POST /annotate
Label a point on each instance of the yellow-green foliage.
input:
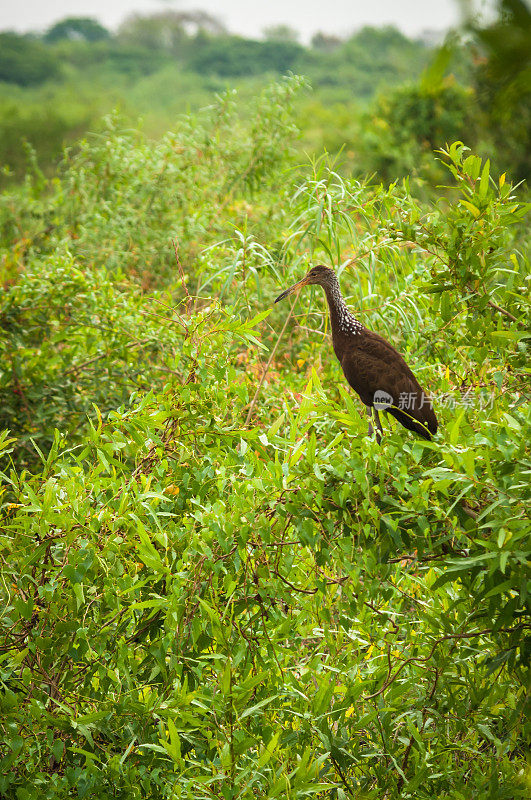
(214, 584)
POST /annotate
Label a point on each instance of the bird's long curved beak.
(293, 288)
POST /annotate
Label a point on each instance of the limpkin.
(372, 366)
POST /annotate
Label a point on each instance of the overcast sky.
(247, 17)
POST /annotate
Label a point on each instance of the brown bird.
(372, 366)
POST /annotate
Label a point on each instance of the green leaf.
(472, 166)
(250, 712)
(484, 182)
(471, 207)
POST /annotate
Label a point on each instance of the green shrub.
(217, 585)
(275, 606)
(502, 77)
(25, 61)
(72, 338)
(84, 28)
(402, 128)
(230, 57)
(77, 330)
(45, 130)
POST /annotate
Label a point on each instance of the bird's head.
(320, 274)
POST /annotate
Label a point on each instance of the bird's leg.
(371, 429)
(379, 432)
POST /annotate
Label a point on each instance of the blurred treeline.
(381, 100)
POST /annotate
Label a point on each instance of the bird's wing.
(371, 364)
(376, 368)
(368, 374)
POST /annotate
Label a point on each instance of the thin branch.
(503, 311)
(402, 778)
(78, 367)
(181, 271)
(449, 636)
(342, 777)
(469, 511)
(292, 586)
(266, 369)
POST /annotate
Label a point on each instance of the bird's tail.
(424, 421)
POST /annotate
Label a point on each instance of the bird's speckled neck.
(340, 316)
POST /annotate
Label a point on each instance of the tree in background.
(233, 57)
(370, 43)
(503, 81)
(281, 33)
(77, 28)
(25, 61)
(407, 123)
(168, 29)
(369, 61)
(488, 107)
(326, 42)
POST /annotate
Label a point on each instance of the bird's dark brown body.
(372, 366)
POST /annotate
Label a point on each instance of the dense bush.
(71, 338)
(406, 124)
(235, 57)
(367, 62)
(38, 133)
(25, 61)
(84, 28)
(74, 331)
(217, 585)
(189, 55)
(503, 82)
